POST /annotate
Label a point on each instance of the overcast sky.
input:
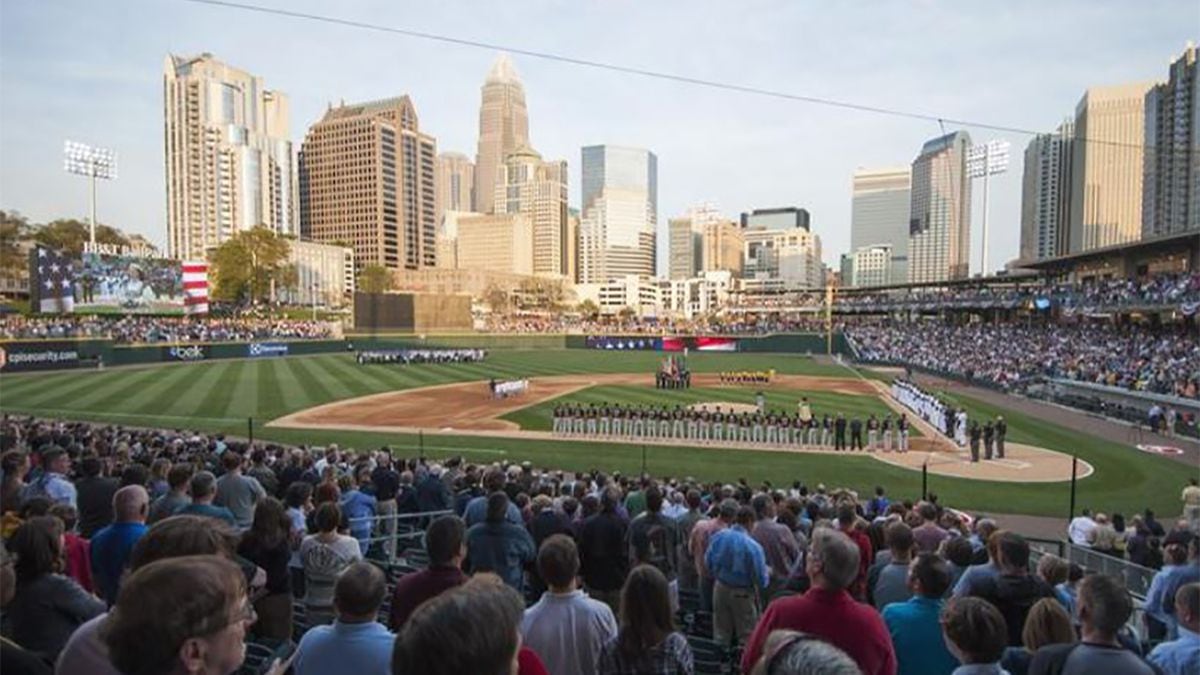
(91, 70)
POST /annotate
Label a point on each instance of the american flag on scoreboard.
(195, 287)
(51, 281)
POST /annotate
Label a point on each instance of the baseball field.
(442, 410)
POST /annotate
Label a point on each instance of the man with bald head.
(112, 545)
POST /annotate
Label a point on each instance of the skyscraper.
(722, 247)
(228, 155)
(783, 218)
(684, 248)
(620, 213)
(500, 243)
(1106, 166)
(503, 127)
(455, 184)
(538, 190)
(939, 226)
(1046, 194)
(1171, 175)
(367, 179)
(879, 214)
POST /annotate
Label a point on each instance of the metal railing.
(392, 529)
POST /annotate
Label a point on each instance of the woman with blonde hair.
(1046, 624)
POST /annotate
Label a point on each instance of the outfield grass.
(221, 397)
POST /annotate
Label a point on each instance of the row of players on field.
(771, 427)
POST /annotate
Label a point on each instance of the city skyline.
(114, 99)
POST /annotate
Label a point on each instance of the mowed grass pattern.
(222, 396)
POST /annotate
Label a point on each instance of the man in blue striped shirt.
(1182, 656)
(739, 566)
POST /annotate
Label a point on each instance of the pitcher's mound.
(725, 406)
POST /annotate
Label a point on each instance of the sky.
(91, 70)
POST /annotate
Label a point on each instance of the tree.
(287, 282)
(246, 264)
(374, 278)
(589, 309)
(14, 228)
(69, 235)
(497, 298)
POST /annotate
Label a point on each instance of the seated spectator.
(151, 631)
(975, 634)
(112, 545)
(237, 492)
(647, 641)
(788, 652)
(1182, 555)
(1047, 624)
(739, 566)
(566, 628)
(474, 628)
(47, 606)
(356, 642)
(915, 624)
(1104, 607)
(890, 581)
(203, 489)
(176, 497)
(325, 555)
(1182, 656)
(267, 544)
(445, 542)
(77, 551)
(827, 611)
(1015, 590)
(497, 545)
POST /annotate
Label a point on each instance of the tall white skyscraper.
(879, 215)
(939, 245)
(503, 127)
(537, 189)
(455, 184)
(1046, 194)
(228, 155)
(1171, 182)
(620, 213)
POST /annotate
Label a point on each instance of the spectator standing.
(14, 464)
(828, 611)
(176, 496)
(298, 500)
(95, 494)
(778, 543)
(203, 489)
(77, 551)
(1047, 624)
(262, 473)
(356, 642)
(432, 492)
(1191, 505)
(1080, 529)
(267, 544)
(603, 559)
(688, 577)
(325, 555)
(975, 575)
(1103, 537)
(647, 641)
(53, 483)
(1182, 554)
(1104, 607)
(237, 492)
(1182, 656)
(974, 631)
(386, 482)
(112, 546)
(445, 541)
(928, 536)
(915, 624)
(498, 546)
(47, 606)
(653, 537)
(1015, 590)
(739, 566)
(847, 520)
(476, 509)
(566, 628)
(358, 508)
(891, 581)
(788, 652)
(698, 541)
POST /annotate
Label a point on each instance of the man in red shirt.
(827, 611)
(445, 542)
(848, 525)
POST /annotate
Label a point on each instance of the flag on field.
(51, 281)
(195, 287)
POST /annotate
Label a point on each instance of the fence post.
(421, 444)
(643, 458)
(1074, 474)
(925, 481)
(250, 429)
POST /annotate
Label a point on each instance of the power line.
(654, 74)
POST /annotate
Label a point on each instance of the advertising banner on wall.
(716, 344)
(23, 356)
(266, 349)
(618, 342)
(185, 353)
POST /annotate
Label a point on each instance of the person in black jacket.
(856, 439)
(602, 553)
(1014, 591)
(94, 496)
(839, 432)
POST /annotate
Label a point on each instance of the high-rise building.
(871, 266)
(367, 179)
(503, 127)
(1046, 194)
(538, 190)
(455, 184)
(784, 218)
(722, 247)
(620, 213)
(684, 248)
(228, 155)
(1106, 166)
(939, 225)
(879, 214)
(1171, 175)
(792, 257)
(496, 243)
(324, 273)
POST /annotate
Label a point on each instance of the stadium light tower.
(987, 159)
(94, 162)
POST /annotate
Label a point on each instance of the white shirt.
(1079, 529)
(568, 631)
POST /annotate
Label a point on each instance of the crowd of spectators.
(134, 329)
(1163, 361)
(149, 551)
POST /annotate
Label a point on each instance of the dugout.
(415, 312)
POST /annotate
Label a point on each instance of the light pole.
(94, 162)
(982, 161)
(313, 289)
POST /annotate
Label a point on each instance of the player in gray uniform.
(677, 423)
(605, 419)
(902, 433)
(872, 432)
(745, 428)
(718, 425)
(886, 428)
(826, 431)
(593, 415)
